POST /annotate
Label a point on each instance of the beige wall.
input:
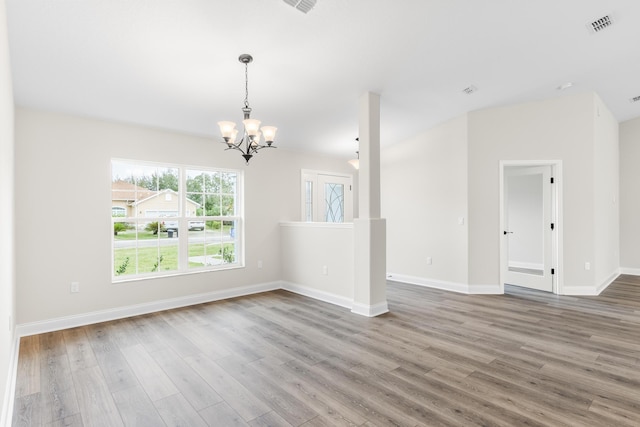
(452, 172)
(307, 248)
(606, 205)
(630, 196)
(74, 153)
(424, 195)
(7, 281)
(557, 129)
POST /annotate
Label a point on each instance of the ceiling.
(173, 64)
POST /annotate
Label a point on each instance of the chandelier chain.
(246, 85)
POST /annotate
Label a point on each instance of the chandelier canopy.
(249, 143)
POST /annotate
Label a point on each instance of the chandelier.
(249, 144)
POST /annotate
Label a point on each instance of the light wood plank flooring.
(279, 359)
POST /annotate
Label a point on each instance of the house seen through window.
(170, 219)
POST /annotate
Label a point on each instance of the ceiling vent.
(469, 90)
(635, 99)
(302, 5)
(600, 24)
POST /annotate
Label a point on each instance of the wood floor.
(279, 359)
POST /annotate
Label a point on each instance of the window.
(326, 197)
(170, 219)
(118, 211)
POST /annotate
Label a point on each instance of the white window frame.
(183, 223)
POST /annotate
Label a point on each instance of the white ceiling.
(173, 63)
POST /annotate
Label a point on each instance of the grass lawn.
(146, 259)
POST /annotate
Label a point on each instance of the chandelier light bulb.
(226, 128)
(269, 133)
(251, 126)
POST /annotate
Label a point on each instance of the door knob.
(508, 232)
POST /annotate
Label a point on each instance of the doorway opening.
(530, 225)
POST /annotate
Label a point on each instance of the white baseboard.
(579, 291)
(630, 271)
(370, 310)
(319, 295)
(135, 310)
(591, 290)
(604, 285)
(9, 398)
(429, 283)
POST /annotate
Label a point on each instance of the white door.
(528, 227)
(326, 197)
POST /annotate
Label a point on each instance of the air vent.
(635, 99)
(469, 90)
(600, 24)
(302, 5)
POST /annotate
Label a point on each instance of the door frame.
(312, 176)
(556, 218)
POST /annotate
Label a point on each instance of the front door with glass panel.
(326, 197)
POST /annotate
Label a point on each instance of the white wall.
(424, 195)
(606, 195)
(556, 129)
(7, 276)
(63, 211)
(630, 196)
(307, 248)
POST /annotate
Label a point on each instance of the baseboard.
(604, 285)
(319, 295)
(136, 310)
(10, 388)
(630, 271)
(370, 310)
(580, 291)
(429, 283)
(591, 290)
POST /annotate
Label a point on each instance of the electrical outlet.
(325, 270)
(587, 266)
(75, 287)
(460, 220)
(259, 264)
(429, 260)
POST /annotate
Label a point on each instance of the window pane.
(308, 201)
(334, 194)
(124, 248)
(228, 206)
(212, 204)
(228, 182)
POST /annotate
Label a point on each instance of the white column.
(370, 231)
